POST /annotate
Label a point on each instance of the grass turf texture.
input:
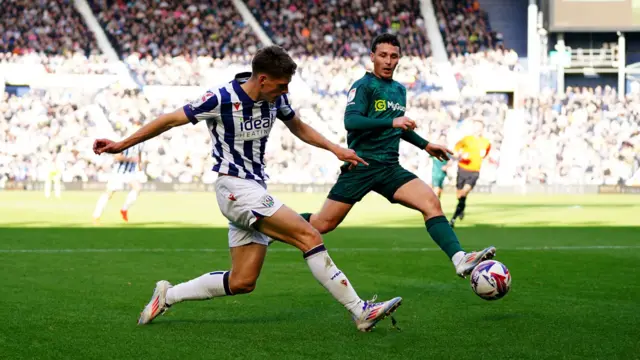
(71, 290)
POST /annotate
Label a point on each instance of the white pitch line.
(141, 250)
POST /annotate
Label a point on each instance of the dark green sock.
(306, 216)
(442, 233)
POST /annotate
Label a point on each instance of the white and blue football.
(491, 280)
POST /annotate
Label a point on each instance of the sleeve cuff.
(287, 117)
(190, 115)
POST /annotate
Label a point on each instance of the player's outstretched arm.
(414, 139)
(440, 152)
(312, 137)
(149, 131)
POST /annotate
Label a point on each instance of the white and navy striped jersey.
(239, 127)
(125, 167)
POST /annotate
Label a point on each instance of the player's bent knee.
(241, 286)
(432, 207)
(327, 225)
(309, 238)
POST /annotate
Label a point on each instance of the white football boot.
(373, 312)
(157, 305)
(470, 260)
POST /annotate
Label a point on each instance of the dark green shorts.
(354, 184)
(437, 179)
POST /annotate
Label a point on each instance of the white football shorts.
(118, 181)
(243, 202)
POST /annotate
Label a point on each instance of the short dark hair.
(385, 39)
(273, 61)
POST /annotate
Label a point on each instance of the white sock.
(102, 203)
(327, 274)
(47, 189)
(457, 257)
(131, 198)
(207, 286)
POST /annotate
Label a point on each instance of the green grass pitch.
(74, 291)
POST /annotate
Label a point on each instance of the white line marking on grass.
(161, 250)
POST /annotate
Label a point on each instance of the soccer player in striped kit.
(239, 116)
(126, 171)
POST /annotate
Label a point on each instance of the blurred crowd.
(176, 28)
(52, 27)
(465, 27)
(340, 27)
(585, 136)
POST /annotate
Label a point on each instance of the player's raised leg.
(417, 195)
(329, 217)
(289, 227)
(246, 264)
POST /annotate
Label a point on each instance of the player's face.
(272, 88)
(385, 60)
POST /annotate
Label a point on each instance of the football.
(491, 280)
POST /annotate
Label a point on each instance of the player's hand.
(404, 123)
(106, 146)
(440, 152)
(349, 156)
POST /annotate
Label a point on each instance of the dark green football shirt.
(372, 104)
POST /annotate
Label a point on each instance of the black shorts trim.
(342, 199)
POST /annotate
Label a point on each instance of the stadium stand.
(175, 28)
(465, 27)
(44, 26)
(340, 28)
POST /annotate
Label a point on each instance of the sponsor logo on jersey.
(383, 105)
(255, 127)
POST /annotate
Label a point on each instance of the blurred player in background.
(375, 123)
(240, 115)
(471, 150)
(439, 170)
(127, 171)
(54, 176)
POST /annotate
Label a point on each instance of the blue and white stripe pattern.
(126, 167)
(239, 127)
